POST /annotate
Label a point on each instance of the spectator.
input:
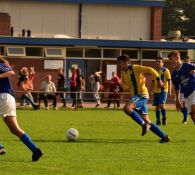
(96, 85)
(62, 86)
(73, 86)
(22, 74)
(27, 87)
(115, 90)
(49, 88)
(79, 79)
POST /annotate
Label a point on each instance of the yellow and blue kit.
(160, 93)
(134, 82)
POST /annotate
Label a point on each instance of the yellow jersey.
(165, 77)
(134, 80)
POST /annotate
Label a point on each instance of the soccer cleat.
(158, 122)
(36, 155)
(165, 139)
(185, 121)
(164, 120)
(2, 151)
(145, 128)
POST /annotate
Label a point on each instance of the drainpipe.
(80, 19)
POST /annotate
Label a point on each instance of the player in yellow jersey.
(160, 93)
(136, 108)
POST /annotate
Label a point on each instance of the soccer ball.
(72, 134)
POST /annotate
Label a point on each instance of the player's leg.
(192, 114)
(14, 128)
(143, 110)
(162, 101)
(129, 109)
(190, 104)
(156, 104)
(184, 111)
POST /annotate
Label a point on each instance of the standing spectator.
(79, 79)
(62, 86)
(96, 86)
(49, 87)
(73, 86)
(115, 90)
(27, 87)
(22, 74)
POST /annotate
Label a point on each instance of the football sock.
(136, 117)
(155, 129)
(158, 115)
(163, 112)
(28, 142)
(1, 146)
(184, 110)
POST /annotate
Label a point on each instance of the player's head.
(48, 77)
(123, 61)
(159, 62)
(113, 74)
(187, 59)
(174, 57)
(4, 61)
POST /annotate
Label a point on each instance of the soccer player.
(8, 110)
(184, 109)
(160, 93)
(134, 82)
(183, 78)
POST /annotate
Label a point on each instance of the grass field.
(109, 144)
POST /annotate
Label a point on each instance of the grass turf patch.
(110, 143)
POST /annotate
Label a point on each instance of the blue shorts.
(140, 103)
(160, 98)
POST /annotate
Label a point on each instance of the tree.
(179, 15)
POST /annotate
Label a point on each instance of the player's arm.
(7, 74)
(177, 92)
(151, 71)
(168, 77)
(152, 86)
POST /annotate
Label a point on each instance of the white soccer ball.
(72, 134)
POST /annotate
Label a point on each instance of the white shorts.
(7, 105)
(189, 101)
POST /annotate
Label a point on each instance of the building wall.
(43, 19)
(116, 22)
(4, 24)
(99, 21)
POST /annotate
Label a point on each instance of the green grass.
(109, 144)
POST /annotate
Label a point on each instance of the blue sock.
(136, 117)
(184, 110)
(156, 130)
(28, 142)
(163, 112)
(1, 146)
(158, 115)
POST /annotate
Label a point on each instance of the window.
(133, 54)
(150, 54)
(34, 51)
(111, 53)
(54, 52)
(93, 53)
(74, 52)
(164, 54)
(15, 51)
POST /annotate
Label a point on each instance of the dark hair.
(160, 58)
(173, 54)
(123, 58)
(186, 57)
